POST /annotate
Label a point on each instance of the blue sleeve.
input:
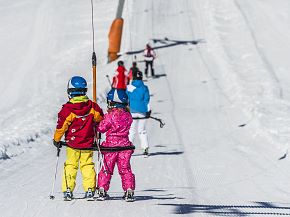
(146, 95)
(128, 94)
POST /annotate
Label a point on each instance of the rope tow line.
(102, 148)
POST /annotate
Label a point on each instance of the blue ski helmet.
(117, 98)
(77, 86)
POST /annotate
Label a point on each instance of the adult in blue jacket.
(139, 98)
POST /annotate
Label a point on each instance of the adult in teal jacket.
(139, 97)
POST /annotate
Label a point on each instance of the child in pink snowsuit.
(116, 124)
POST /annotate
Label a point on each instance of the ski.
(90, 199)
(130, 199)
(67, 199)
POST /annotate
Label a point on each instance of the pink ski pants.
(122, 158)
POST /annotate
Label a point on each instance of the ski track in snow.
(260, 51)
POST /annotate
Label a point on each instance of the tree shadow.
(150, 197)
(166, 153)
(160, 146)
(155, 190)
(259, 208)
(148, 194)
(168, 43)
(156, 76)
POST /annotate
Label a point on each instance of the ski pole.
(94, 65)
(100, 156)
(94, 58)
(109, 80)
(51, 196)
(159, 120)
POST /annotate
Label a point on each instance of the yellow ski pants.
(75, 159)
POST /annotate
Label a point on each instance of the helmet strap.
(112, 104)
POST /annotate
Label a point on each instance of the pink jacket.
(116, 124)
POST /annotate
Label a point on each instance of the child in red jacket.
(77, 120)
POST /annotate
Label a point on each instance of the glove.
(148, 114)
(57, 144)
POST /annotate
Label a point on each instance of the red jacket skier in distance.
(120, 78)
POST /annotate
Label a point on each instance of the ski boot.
(153, 73)
(89, 195)
(101, 195)
(129, 195)
(67, 195)
(146, 152)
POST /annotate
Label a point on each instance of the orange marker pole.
(94, 63)
(115, 37)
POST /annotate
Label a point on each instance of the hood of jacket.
(79, 105)
(121, 69)
(137, 83)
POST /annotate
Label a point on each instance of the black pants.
(149, 63)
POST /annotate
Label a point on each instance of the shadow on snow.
(259, 208)
(166, 42)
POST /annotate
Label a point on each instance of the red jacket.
(120, 79)
(77, 120)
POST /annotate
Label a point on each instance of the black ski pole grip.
(94, 59)
(58, 151)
